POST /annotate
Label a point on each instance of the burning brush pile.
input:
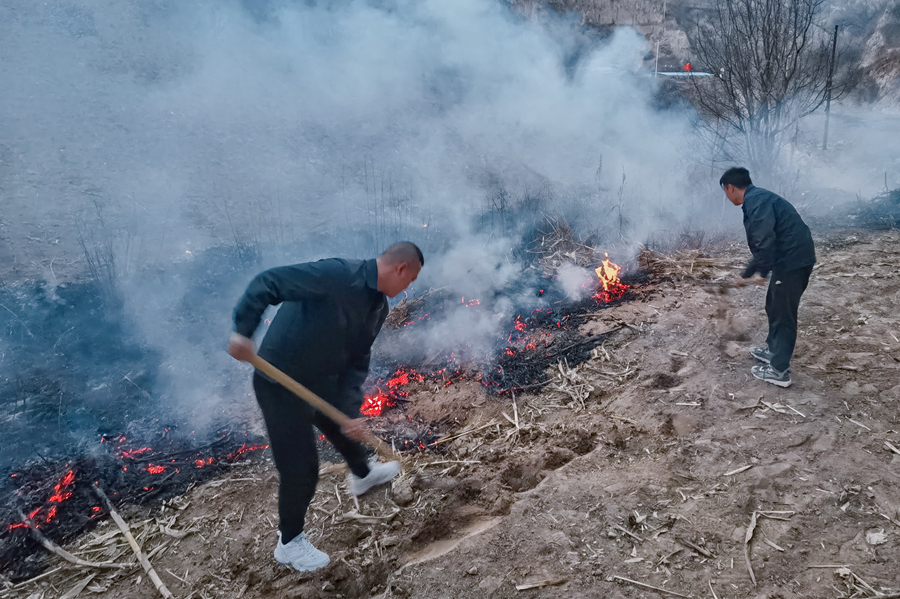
(515, 356)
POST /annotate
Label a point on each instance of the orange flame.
(612, 286)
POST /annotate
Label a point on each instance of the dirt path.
(675, 451)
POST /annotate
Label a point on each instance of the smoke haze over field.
(199, 123)
(133, 136)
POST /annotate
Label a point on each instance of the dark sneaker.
(300, 554)
(378, 475)
(770, 375)
(762, 354)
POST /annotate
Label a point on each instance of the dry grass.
(557, 246)
(685, 265)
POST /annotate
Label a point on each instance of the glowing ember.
(62, 491)
(154, 469)
(132, 453)
(611, 287)
(374, 405)
(247, 448)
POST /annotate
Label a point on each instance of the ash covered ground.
(647, 462)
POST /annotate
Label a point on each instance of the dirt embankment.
(647, 464)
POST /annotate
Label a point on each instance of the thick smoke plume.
(168, 151)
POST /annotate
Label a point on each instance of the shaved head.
(403, 252)
(398, 267)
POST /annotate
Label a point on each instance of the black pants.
(289, 421)
(782, 302)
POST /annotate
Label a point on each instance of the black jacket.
(778, 238)
(322, 335)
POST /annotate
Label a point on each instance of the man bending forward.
(782, 245)
(322, 335)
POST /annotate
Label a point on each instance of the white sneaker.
(378, 475)
(300, 554)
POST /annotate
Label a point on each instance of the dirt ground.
(652, 463)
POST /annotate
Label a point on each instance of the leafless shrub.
(771, 66)
(556, 245)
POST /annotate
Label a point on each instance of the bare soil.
(676, 452)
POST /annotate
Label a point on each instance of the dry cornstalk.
(54, 548)
(540, 583)
(747, 538)
(696, 548)
(650, 586)
(738, 470)
(145, 563)
(24, 583)
(630, 534)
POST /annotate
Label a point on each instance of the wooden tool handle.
(319, 404)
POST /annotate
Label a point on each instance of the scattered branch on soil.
(738, 470)
(143, 559)
(540, 583)
(747, 538)
(54, 548)
(568, 383)
(696, 548)
(650, 586)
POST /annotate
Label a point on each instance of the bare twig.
(627, 532)
(738, 470)
(747, 538)
(540, 583)
(24, 583)
(148, 568)
(650, 586)
(699, 550)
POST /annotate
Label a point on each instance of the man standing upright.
(331, 311)
(782, 245)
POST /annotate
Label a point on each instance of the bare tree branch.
(770, 61)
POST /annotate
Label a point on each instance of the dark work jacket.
(331, 311)
(778, 238)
